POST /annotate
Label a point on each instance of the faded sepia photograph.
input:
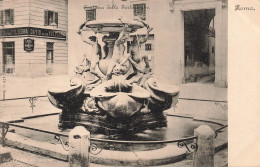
(114, 83)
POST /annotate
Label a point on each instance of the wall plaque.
(28, 44)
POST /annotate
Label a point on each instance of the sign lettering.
(31, 31)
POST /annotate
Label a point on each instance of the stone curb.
(42, 115)
(195, 118)
(33, 116)
(166, 155)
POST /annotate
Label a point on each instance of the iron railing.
(110, 144)
(222, 103)
(219, 130)
(57, 136)
(190, 143)
(32, 100)
(22, 98)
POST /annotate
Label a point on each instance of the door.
(49, 57)
(8, 57)
(199, 40)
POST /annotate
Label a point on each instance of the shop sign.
(32, 31)
(28, 44)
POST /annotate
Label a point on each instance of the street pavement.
(17, 87)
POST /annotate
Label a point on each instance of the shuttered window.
(56, 18)
(91, 14)
(7, 17)
(140, 10)
(2, 17)
(50, 18)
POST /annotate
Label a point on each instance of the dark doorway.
(49, 57)
(8, 57)
(199, 45)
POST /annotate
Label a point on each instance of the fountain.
(123, 108)
(122, 99)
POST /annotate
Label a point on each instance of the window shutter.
(11, 16)
(56, 18)
(1, 17)
(45, 17)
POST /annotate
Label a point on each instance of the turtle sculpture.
(120, 98)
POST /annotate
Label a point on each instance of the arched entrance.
(212, 8)
(199, 41)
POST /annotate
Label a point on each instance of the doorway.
(199, 46)
(49, 57)
(8, 57)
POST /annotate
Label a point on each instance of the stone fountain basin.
(113, 25)
(65, 95)
(131, 155)
(161, 91)
(120, 104)
(163, 88)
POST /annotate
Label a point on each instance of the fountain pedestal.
(107, 125)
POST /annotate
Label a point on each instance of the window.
(7, 17)
(91, 14)
(49, 57)
(148, 47)
(140, 10)
(50, 18)
(8, 57)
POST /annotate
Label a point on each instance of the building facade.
(33, 37)
(188, 42)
